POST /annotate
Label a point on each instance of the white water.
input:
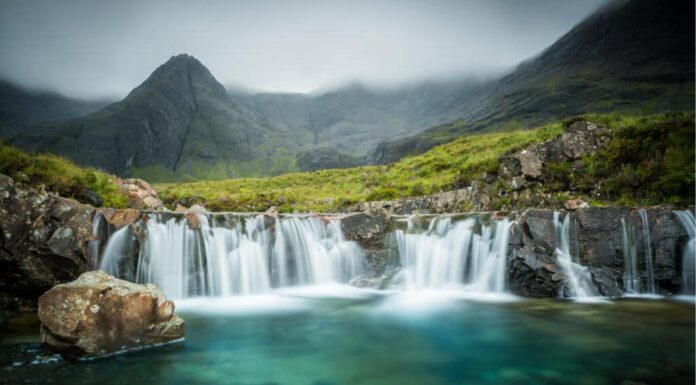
(242, 258)
(455, 255)
(647, 247)
(578, 279)
(631, 279)
(689, 253)
(308, 251)
(94, 244)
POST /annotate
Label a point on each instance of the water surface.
(332, 337)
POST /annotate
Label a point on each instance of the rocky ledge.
(98, 314)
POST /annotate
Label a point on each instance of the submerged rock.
(98, 314)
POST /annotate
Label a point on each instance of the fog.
(105, 48)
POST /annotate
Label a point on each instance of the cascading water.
(94, 245)
(190, 257)
(308, 251)
(647, 245)
(631, 279)
(631, 239)
(452, 254)
(689, 252)
(578, 279)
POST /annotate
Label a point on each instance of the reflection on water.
(362, 337)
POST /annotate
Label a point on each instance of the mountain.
(179, 123)
(20, 108)
(630, 57)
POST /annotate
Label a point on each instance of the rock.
(582, 138)
(141, 195)
(538, 230)
(531, 162)
(120, 217)
(534, 274)
(91, 198)
(98, 314)
(43, 240)
(574, 204)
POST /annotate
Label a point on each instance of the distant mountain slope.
(20, 108)
(353, 119)
(631, 56)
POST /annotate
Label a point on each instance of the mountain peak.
(182, 72)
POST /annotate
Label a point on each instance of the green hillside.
(650, 161)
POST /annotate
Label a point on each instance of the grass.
(440, 169)
(650, 160)
(59, 175)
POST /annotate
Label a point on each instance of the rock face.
(141, 195)
(99, 314)
(596, 240)
(43, 242)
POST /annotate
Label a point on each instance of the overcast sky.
(105, 48)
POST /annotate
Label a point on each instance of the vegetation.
(326, 190)
(59, 175)
(650, 160)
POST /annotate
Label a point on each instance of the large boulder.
(98, 314)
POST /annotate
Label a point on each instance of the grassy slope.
(650, 161)
(330, 189)
(59, 175)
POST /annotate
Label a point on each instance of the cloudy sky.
(105, 48)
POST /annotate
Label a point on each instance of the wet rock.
(538, 230)
(141, 195)
(98, 314)
(120, 217)
(534, 274)
(364, 227)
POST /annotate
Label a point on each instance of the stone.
(141, 195)
(120, 217)
(574, 204)
(91, 198)
(43, 240)
(98, 314)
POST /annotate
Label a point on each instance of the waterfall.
(631, 236)
(196, 256)
(578, 279)
(453, 254)
(94, 244)
(631, 279)
(308, 251)
(689, 253)
(647, 246)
